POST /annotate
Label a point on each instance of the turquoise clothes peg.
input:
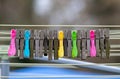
(74, 44)
(27, 44)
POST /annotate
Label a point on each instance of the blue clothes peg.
(26, 45)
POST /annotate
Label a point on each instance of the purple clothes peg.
(92, 44)
(12, 48)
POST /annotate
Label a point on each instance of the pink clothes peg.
(92, 44)
(12, 48)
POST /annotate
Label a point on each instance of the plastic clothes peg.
(92, 44)
(27, 39)
(12, 48)
(61, 48)
(74, 44)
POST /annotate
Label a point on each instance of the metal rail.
(20, 25)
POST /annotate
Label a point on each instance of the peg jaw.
(60, 35)
(13, 33)
(74, 35)
(27, 34)
(92, 34)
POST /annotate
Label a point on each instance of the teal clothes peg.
(27, 44)
(74, 44)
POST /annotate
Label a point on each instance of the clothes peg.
(12, 48)
(61, 48)
(92, 44)
(102, 45)
(17, 42)
(69, 49)
(56, 42)
(32, 44)
(65, 43)
(79, 43)
(45, 43)
(107, 43)
(97, 36)
(50, 38)
(27, 44)
(41, 32)
(88, 42)
(37, 43)
(84, 42)
(74, 44)
(21, 43)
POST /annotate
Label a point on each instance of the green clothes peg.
(74, 44)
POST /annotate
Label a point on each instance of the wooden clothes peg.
(21, 43)
(12, 48)
(41, 32)
(84, 41)
(37, 42)
(102, 44)
(27, 44)
(65, 43)
(50, 38)
(107, 43)
(56, 44)
(79, 46)
(74, 44)
(69, 48)
(32, 44)
(97, 42)
(61, 47)
(45, 43)
(92, 44)
(88, 42)
(17, 42)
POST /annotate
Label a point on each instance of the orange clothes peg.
(61, 48)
